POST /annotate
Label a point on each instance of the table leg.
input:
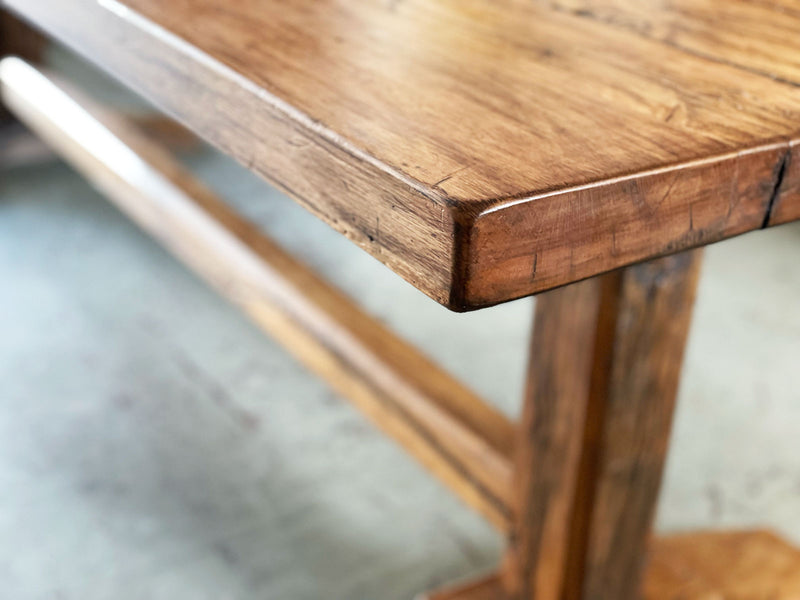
(604, 367)
(605, 363)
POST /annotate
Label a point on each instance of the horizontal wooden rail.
(19, 147)
(462, 440)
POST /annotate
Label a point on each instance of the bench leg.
(604, 367)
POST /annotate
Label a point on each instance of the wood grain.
(460, 438)
(755, 35)
(483, 150)
(653, 315)
(604, 369)
(563, 349)
(742, 565)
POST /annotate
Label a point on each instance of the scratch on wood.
(671, 113)
(446, 177)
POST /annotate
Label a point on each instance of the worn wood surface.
(483, 150)
(755, 35)
(550, 439)
(746, 565)
(454, 433)
(638, 390)
(604, 369)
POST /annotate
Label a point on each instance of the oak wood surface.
(639, 375)
(738, 565)
(460, 438)
(550, 439)
(741, 565)
(603, 374)
(755, 35)
(483, 150)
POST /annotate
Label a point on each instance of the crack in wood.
(776, 188)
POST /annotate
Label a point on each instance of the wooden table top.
(484, 150)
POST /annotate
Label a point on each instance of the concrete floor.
(154, 445)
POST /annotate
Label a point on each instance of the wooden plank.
(653, 315)
(603, 375)
(738, 565)
(482, 150)
(564, 345)
(20, 148)
(400, 223)
(462, 440)
(754, 35)
(742, 565)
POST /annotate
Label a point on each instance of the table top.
(484, 150)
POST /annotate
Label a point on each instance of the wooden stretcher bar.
(456, 435)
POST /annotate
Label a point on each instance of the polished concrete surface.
(154, 445)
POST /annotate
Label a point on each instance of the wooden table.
(485, 151)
